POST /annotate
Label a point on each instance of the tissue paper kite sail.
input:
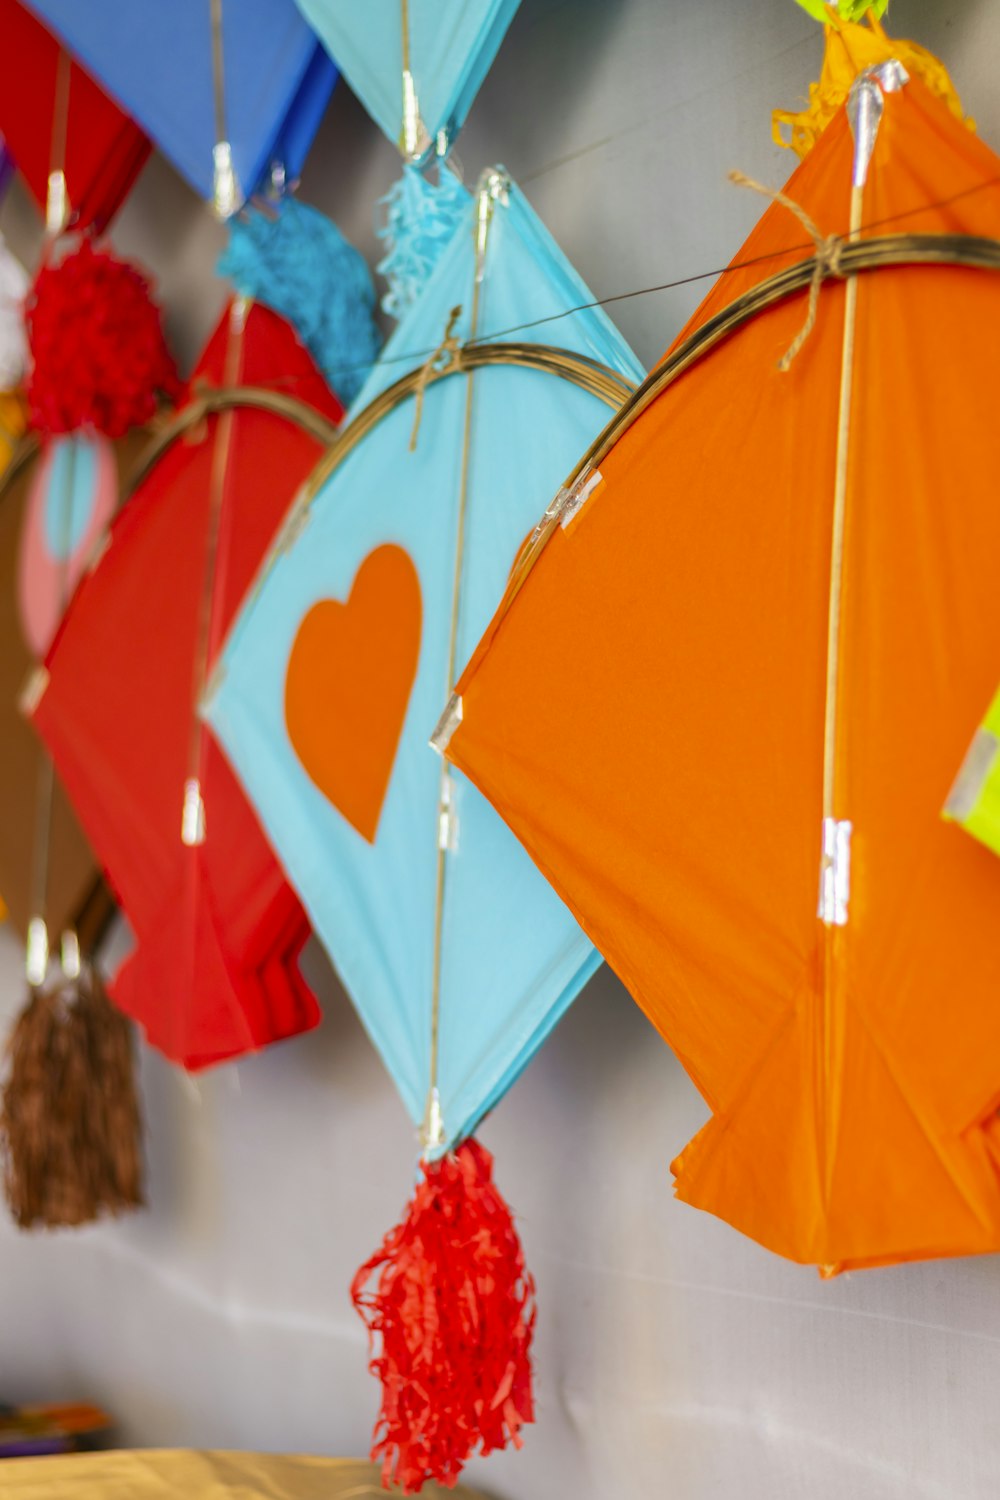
(218, 932)
(326, 696)
(722, 707)
(416, 66)
(275, 79)
(54, 118)
(55, 504)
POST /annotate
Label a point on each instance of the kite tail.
(454, 1307)
(70, 1129)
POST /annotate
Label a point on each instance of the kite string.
(829, 251)
(718, 271)
(289, 381)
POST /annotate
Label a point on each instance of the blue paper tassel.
(421, 218)
(300, 265)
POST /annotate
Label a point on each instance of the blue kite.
(164, 63)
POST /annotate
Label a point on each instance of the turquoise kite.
(456, 952)
(304, 710)
(416, 65)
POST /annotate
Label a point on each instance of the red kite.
(214, 973)
(29, 611)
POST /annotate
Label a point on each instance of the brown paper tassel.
(70, 1129)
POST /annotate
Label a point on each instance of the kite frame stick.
(840, 521)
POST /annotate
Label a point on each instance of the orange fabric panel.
(353, 665)
(649, 718)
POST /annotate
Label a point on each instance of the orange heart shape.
(348, 682)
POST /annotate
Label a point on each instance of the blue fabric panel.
(155, 59)
(452, 45)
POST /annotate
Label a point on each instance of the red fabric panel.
(105, 149)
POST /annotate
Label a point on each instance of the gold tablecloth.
(153, 1475)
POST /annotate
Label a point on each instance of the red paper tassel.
(98, 357)
(455, 1308)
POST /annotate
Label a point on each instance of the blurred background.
(674, 1357)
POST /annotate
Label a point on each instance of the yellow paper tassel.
(11, 425)
(850, 48)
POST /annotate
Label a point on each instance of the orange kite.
(735, 673)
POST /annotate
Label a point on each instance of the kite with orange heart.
(456, 952)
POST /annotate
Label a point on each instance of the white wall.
(674, 1358)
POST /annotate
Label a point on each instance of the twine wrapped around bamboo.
(70, 1128)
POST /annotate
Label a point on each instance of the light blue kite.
(457, 953)
(416, 65)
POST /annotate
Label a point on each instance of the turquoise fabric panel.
(452, 46)
(73, 477)
(513, 957)
(155, 59)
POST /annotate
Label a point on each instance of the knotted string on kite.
(829, 252)
(436, 362)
